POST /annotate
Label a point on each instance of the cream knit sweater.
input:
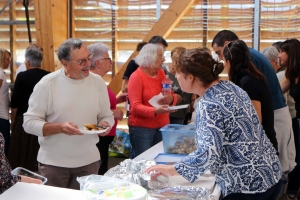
(57, 99)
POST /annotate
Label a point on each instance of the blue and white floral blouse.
(231, 143)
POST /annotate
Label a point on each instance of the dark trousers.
(103, 146)
(271, 194)
(175, 120)
(294, 176)
(5, 130)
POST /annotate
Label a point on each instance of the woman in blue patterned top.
(230, 140)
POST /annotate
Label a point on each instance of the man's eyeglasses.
(229, 49)
(83, 62)
(106, 59)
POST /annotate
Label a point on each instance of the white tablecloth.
(27, 191)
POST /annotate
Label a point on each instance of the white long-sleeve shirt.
(4, 99)
(57, 99)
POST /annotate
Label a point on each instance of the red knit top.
(141, 88)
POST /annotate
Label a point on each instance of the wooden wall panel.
(5, 45)
(93, 35)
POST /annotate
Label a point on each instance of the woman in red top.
(146, 82)
(101, 64)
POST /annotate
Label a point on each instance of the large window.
(121, 24)
(14, 32)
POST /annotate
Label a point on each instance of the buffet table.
(203, 181)
(27, 191)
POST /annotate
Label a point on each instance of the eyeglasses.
(83, 62)
(106, 59)
(229, 49)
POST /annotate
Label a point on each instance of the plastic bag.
(120, 146)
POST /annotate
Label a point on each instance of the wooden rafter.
(163, 27)
(289, 20)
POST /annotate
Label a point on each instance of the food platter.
(85, 131)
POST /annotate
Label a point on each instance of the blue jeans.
(5, 130)
(271, 194)
(142, 139)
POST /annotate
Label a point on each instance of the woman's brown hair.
(292, 49)
(201, 64)
(176, 53)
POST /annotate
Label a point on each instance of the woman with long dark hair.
(289, 56)
(242, 72)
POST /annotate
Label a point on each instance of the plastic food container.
(168, 159)
(26, 172)
(178, 139)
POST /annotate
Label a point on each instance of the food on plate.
(93, 127)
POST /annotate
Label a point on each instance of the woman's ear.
(273, 62)
(27, 64)
(191, 77)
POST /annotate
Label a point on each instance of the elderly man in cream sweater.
(62, 102)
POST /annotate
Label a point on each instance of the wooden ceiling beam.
(163, 27)
(289, 20)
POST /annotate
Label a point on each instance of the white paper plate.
(84, 131)
(178, 107)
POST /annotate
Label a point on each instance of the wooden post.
(44, 34)
(59, 10)
(114, 34)
(162, 27)
(51, 29)
(13, 45)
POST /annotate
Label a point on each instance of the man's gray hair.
(64, 50)
(34, 56)
(148, 55)
(271, 53)
(97, 49)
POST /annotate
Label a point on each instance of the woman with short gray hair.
(101, 64)
(271, 54)
(146, 82)
(23, 146)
